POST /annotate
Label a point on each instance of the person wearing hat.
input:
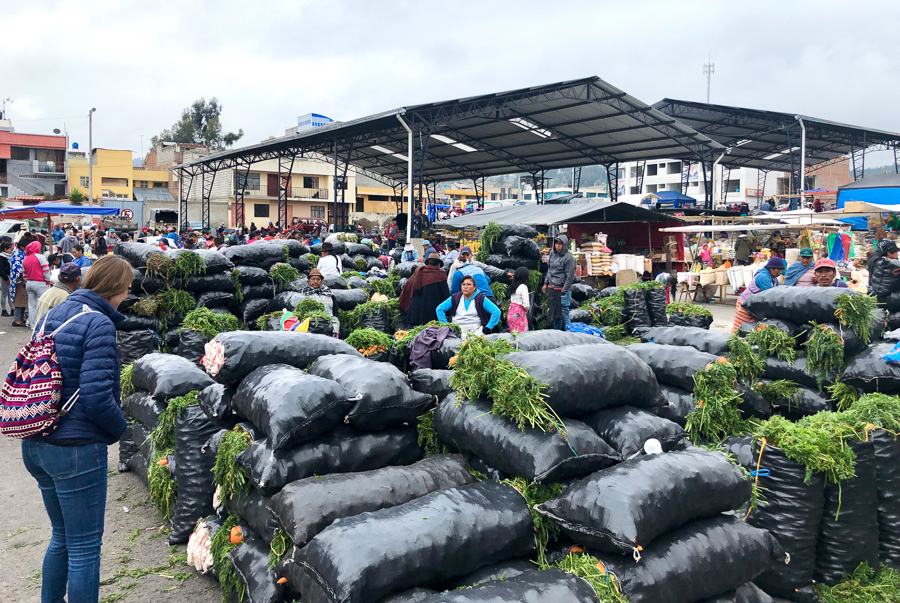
(329, 264)
(826, 275)
(69, 278)
(800, 273)
(742, 250)
(424, 291)
(765, 278)
(409, 254)
(316, 289)
(427, 249)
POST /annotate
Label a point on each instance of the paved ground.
(133, 544)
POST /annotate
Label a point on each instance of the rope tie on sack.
(758, 472)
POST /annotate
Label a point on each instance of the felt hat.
(315, 272)
(806, 252)
(775, 262)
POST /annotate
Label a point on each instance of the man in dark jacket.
(424, 291)
(558, 283)
(884, 270)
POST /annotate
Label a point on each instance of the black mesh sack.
(136, 254)
(148, 284)
(250, 310)
(258, 254)
(698, 560)
(141, 437)
(245, 351)
(347, 299)
(301, 264)
(347, 262)
(814, 304)
(634, 311)
(252, 275)
(290, 405)
(626, 429)
(407, 268)
(320, 326)
(380, 320)
(778, 369)
(214, 261)
(128, 303)
(144, 409)
(497, 275)
(548, 339)
(296, 249)
(748, 593)
(848, 534)
(492, 473)
(489, 573)
(803, 403)
(752, 404)
(678, 404)
(194, 477)
(139, 465)
(342, 450)
(127, 447)
(582, 293)
(355, 282)
(711, 342)
(261, 291)
(166, 376)
(132, 345)
(579, 315)
(656, 307)
(306, 507)
(433, 382)
(211, 447)
(518, 246)
(511, 262)
(887, 474)
(215, 401)
(359, 249)
(606, 292)
(673, 365)
(535, 455)
(252, 507)
(214, 299)
(335, 282)
(132, 323)
(679, 319)
(413, 595)
(532, 586)
(518, 230)
(209, 282)
(870, 372)
(626, 507)
(384, 396)
(792, 329)
(441, 535)
(582, 379)
(190, 344)
(250, 561)
(791, 511)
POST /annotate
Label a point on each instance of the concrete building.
(115, 177)
(529, 195)
(167, 154)
(31, 164)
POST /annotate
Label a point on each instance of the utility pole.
(91, 156)
(708, 70)
(3, 112)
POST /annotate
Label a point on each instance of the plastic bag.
(791, 511)
(166, 376)
(147, 284)
(885, 277)
(796, 372)
(209, 282)
(511, 262)
(870, 372)
(250, 310)
(582, 379)
(517, 246)
(380, 320)
(347, 299)
(250, 561)
(407, 268)
(548, 339)
(656, 307)
(626, 429)
(887, 466)
(752, 404)
(518, 230)
(252, 275)
(848, 534)
(132, 323)
(342, 450)
(253, 508)
(634, 311)
(243, 352)
(384, 396)
(190, 344)
(132, 345)
(532, 586)
(289, 405)
(581, 293)
(504, 570)
(214, 299)
(136, 254)
(127, 447)
(711, 342)
(139, 465)
(215, 262)
(497, 275)
(143, 408)
(194, 477)
(672, 364)
(261, 291)
(433, 382)
(626, 507)
(579, 315)
(308, 506)
(803, 403)
(748, 593)
(260, 254)
(677, 319)
(535, 455)
(700, 559)
(215, 401)
(678, 404)
(814, 304)
(441, 535)
(792, 329)
(355, 282)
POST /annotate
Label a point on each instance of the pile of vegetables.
(227, 473)
(772, 341)
(545, 529)
(187, 264)
(428, 438)
(210, 323)
(351, 319)
(283, 274)
(591, 569)
(125, 385)
(775, 391)
(819, 443)
(863, 585)
(687, 308)
(745, 361)
(223, 542)
(489, 236)
(716, 415)
(387, 286)
(163, 490)
(369, 341)
(825, 353)
(843, 395)
(855, 311)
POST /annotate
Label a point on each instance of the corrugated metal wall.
(136, 206)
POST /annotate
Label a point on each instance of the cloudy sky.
(140, 63)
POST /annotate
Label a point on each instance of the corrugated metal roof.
(545, 215)
(152, 194)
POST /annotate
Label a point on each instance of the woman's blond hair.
(108, 276)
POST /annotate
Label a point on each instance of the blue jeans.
(562, 323)
(73, 484)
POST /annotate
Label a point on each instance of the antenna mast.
(708, 70)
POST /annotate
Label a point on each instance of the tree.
(76, 197)
(200, 123)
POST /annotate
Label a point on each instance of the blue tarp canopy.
(74, 210)
(675, 196)
(877, 189)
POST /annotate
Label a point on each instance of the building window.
(620, 173)
(694, 184)
(637, 171)
(652, 188)
(85, 182)
(19, 154)
(526, 197)
(260, 210)
(674, 168)
(652, 169)
(252, 181)
(635, 190)
(160, 184)
(114, 181)
(317, 211)
(733, 186)
(311, 182)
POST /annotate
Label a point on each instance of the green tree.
(200, 123)
(76, 197)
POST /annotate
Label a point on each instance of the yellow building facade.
(114, 174)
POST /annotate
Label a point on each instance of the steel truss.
(612, 181)
(183, 194)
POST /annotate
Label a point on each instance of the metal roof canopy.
(546, 215)
(770, 140)
(152, 194)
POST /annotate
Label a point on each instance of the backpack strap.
(84, 310)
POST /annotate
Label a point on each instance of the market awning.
(24, 212)
(144, 194)
(748, 227)
(545, 215)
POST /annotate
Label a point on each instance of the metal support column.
(206, 193)
(537, 179)
(685, 177)
(285, 169)
(239, 191)
(760, 186)
(896, 164)
(726, 176)
(183, 194)
(334, 204)
(640, 178)
(707, 185)
(576, 180)
(612, 181)
(479, 193)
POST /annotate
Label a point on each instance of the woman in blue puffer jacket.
(70, 464)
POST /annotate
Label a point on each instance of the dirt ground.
(138, 565)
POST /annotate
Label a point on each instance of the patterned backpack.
(30, 397)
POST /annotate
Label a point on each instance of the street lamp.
(91, 156)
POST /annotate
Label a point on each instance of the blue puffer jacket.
(86, 350)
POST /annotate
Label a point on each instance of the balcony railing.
(296, 192)
(49, 167)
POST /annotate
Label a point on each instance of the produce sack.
(136, 254)
(582, 379)
(893, 321)
(188, 344)
(497, 275)
(252, 275)
(887, 475)
(533, 586)
(379, 319)
(679, 319)
(250, 560)
(711, 342)
(803, 403)
(672, 364)
(518, 230)
(259, 254)
(852, 343)
(232, 356)
(406, 269)
(492, 473)
(678, 404)
(141, 438)
(535, 455)
(656, 306)
(794, 330)
(753, 404)
(143, 408)
(511, 262)
(624, 508)
(307, 506)
(518, 246)
(143, 283)
(132, 323)
(214, 299)
(211, 447)
(347, 262)
(871, 373)
(286, 300)
(296, 249)
(214, 261)
(440, 358)
(697, 560)
(301, 264)
(166, 376)
(252, 507)
(209, 282)
(848, 534)
(384, 396)
(261, 291)
(548, 339)
(250, 310)
(335, 282)
(606, 292)
(289, 405)
(626, 428)
(355, 282)
(796, 372)
(347, 299)
(374, 263)
(359, 249)
(413, 595)
(885, 277)
(436, 537)
(582, 293)
(748, 593)
(194, 477)
(433, 382)
(498, 571)
(127, 447)
(634, 310)
(791, 511)
(139, 465)
(342, 450)
(215, 402)
(579, 315)
(814, 304)
(132, 345)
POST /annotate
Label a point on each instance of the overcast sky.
(141, 63)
